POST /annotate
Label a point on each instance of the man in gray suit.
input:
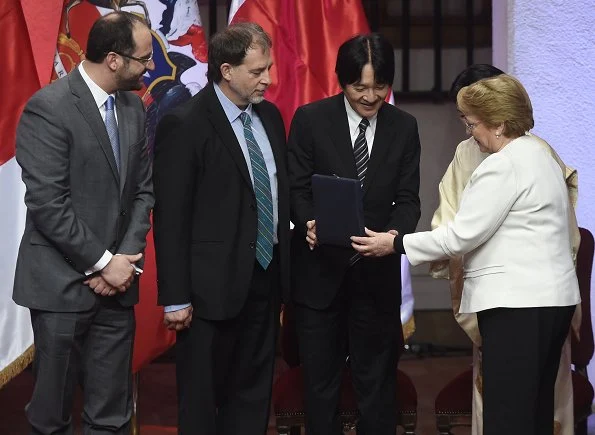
(82, 148)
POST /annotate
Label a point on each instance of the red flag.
(306, 36)
(43, 22)
(19, 82)
(19, 79)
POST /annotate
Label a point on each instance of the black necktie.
(360, 151)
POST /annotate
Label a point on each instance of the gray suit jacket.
(77, 204)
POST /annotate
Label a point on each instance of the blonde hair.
(498, 100)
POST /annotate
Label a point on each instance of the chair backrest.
(289, 341)
(582, 350)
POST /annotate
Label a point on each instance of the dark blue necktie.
(264, 198)
(112, 129)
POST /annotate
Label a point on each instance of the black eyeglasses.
(143, 60)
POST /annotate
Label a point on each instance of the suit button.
(123, 213)
(253, 206)
(252, 245)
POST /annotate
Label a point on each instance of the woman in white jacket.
(519, 277)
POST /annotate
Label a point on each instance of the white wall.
(550, 47)
(440, 132)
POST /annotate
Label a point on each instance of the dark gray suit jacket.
(77, 204)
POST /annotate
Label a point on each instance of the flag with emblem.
(16, 335)
(306, 37)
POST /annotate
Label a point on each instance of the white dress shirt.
(100, 97)
(354, 120)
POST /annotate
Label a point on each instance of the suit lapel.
(381, 145)
(340, 135)
(86, 105)
(124, 134)
(228, 137)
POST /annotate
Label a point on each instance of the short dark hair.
(470, 75)
(112, 32)
(360, 50)
(231, 45)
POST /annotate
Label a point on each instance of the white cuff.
(105, 258)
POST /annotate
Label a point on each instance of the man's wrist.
(100, 265)
(172, 308)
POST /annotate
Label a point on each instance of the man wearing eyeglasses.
(82, 148)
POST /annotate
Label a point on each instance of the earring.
(498, 135)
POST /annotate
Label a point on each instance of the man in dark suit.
(222, 237)
(355, 134)
(81, 145)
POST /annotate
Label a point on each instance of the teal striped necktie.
(264, 198)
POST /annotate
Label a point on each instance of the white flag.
(16, 335)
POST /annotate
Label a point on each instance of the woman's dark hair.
(470, 75)
(360, 50)
(231, 45)
(112, 32)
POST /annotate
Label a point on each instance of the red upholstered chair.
(453, 402)
(288, 390)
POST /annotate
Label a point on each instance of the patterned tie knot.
(246, 120)
(109, 104)
(364, 124)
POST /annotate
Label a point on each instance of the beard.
(248, 97)
(255, 99)
(129, 81)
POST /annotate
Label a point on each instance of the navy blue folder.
(338, 209)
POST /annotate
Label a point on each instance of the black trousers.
(93, 348)
(373, 334)
(225, 368)
(521, 354)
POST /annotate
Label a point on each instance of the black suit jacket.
(205, 217)
(320, 143)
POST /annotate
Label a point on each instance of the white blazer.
(512, 229)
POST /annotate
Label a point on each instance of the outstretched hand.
(374, 244)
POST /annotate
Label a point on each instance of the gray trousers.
(93, 348)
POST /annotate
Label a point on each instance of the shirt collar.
(231, 110)
(99, 95)
(355, 118)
